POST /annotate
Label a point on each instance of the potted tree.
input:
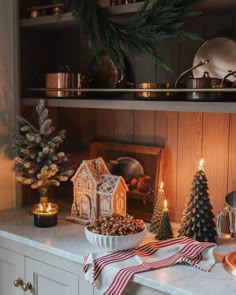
(38, 162)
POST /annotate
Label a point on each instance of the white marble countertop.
(68, 240)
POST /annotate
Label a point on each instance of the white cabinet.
(45, 279)
(48, 280)
(11, 268)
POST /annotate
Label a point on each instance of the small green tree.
(157, 212)
(198, 219)
(38, 162)
(165, 231)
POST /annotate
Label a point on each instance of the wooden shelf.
(67, 20)
(177, 106)
(50, 22)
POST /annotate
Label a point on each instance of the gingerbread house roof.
(109, 183)
(95, 167)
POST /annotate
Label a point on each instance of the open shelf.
(50, 22)
(67, 19)
(128, 101)
(116, 104)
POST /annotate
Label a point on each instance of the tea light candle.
(45, 215)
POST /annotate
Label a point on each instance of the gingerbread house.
(96, 192)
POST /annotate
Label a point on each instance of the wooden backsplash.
(187, 136)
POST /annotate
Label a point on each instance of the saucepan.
(204, 81)
(64, 80)
(224, 80)
(151, 95)
(61, 80)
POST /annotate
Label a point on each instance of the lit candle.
(165, 206)
(161, 188)
(45, 215)
(200, 167)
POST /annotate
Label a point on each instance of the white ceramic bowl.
(115, 243)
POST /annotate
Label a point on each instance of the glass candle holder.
(45, 214)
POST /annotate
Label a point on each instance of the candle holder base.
(45, 221)
(45, 214)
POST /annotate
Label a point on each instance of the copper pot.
(59, 81)
(152, 94)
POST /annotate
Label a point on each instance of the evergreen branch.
(156, 20)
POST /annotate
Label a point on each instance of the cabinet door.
(48, 280)
(11, 268)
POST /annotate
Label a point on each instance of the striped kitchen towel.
(110, 272)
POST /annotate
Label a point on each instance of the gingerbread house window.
(120, 204)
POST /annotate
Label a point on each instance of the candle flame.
(165, 204)
(40, 207)
(201, 162)
(161, 185)
(49, 207)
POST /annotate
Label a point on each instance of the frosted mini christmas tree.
(39, 163)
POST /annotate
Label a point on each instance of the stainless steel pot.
(224, 81)
(182, 75)
(205, 81)
(230, 213)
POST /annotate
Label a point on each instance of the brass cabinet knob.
(27, 286)
(18, 282)
(24, 286)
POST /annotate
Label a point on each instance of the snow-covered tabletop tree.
(198, 219)
(38, 163)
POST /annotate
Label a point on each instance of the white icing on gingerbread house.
(96, 192)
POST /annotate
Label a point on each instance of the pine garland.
(140, 33)
(38, 162)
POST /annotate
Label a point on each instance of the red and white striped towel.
(111, 272)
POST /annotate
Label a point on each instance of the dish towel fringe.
(110, 272)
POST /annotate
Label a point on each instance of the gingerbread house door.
(85, 208)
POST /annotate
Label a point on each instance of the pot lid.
(221, 52)
(104, 72)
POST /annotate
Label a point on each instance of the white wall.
(8, 98)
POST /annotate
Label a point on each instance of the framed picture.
(142, 168)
